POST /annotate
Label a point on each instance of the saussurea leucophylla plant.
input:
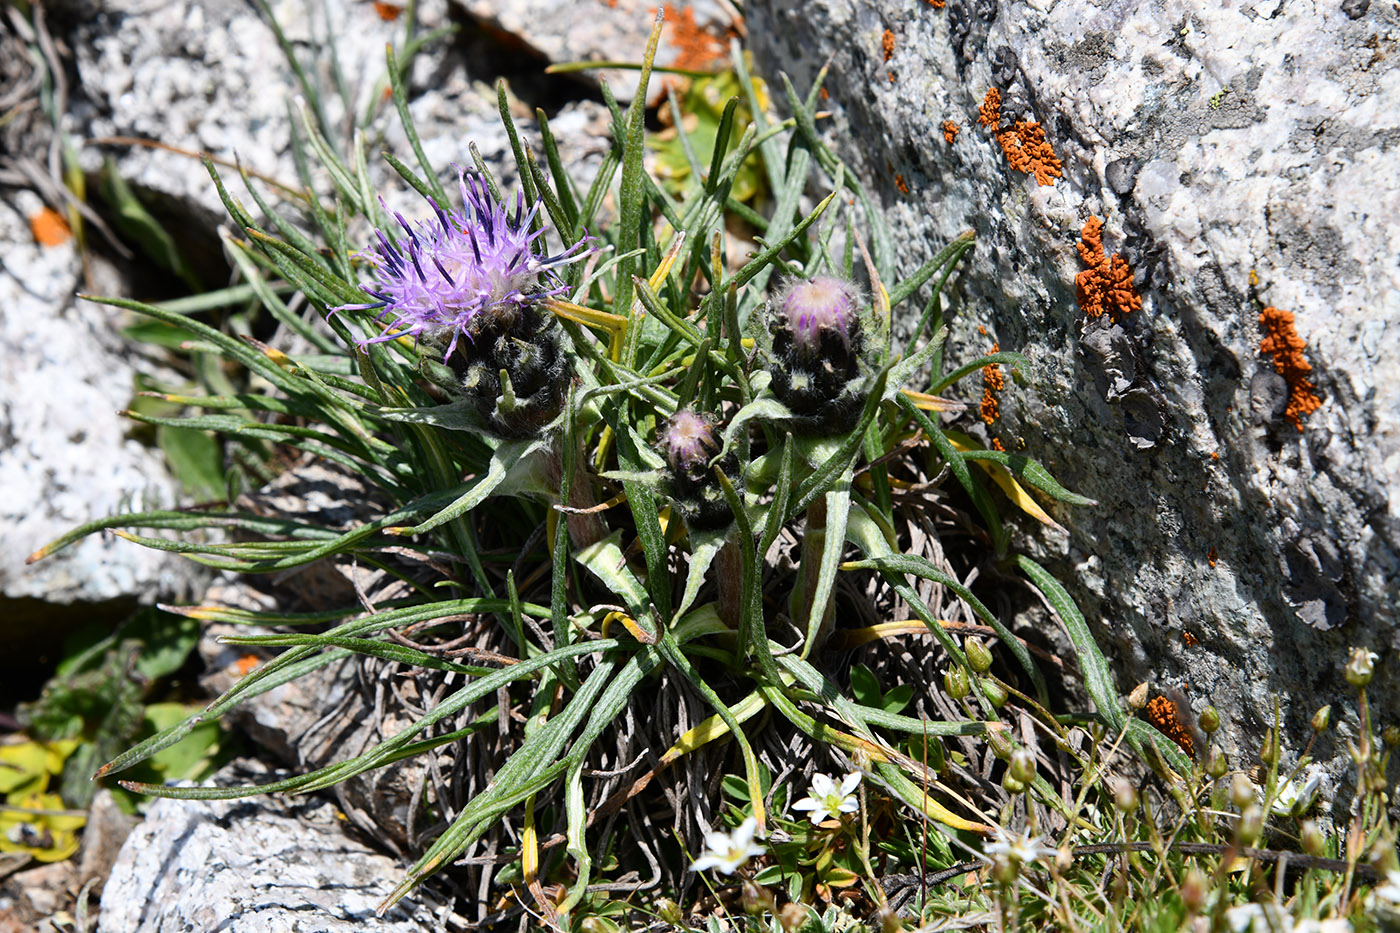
(517, 371)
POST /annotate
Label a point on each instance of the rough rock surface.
(65, 457)
(252, 865)
(1238, 155)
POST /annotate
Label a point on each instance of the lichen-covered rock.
(255, 865)
(65, 457)
(1241, 157)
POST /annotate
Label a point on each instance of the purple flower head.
(820, 304)
(688, 441)
(445, 272)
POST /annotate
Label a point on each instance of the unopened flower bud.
(1022, 765)
(955, 683)
(1360, 666)
(1216, 765)
(994, 692)
(1268, 749)
(688, 441)
(1314, 843)
(1000, 745)
(1194, 889)
(1321, 718)
(1011, 784)
(1138, 698)
(1125, 796)
(1005, 869)
(1209, 720)
(1250, 826)
(1390, 735)
(1242, 792)
(817, 307)
(978, 656)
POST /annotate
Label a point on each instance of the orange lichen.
(989, 114)
(1281, 341)
(887, 44)
(825, 95)
(1106, 284)
(1162, 713)
(1027, 151)
(387, 11)
(992, 383)
(49, 227)
(950, 131)
(937, 4)
(998, 445)
(246, 663)
(1190, 639)
(1211, 556)
(697, 49)
(901, 184)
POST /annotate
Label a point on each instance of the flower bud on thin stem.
(1268, 749)
(1125, 796)
(978, 656)
(995, 693)
(1216, 765)
(1314, 843)
(955, 683)
(1242, 791)
(1138, 698)
(1250, 826)
(1022, 766)
(1320, 719)
(1360, 666)
(1209, 720)
(1390, 735)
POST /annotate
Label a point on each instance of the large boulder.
(1238, 157)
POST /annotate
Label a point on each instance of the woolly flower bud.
(1360, 666)
(820, 305)
(688, 441)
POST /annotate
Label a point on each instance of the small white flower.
(1389, 892)
(1296, 796)
(826, 799)
(1322, 926)
(1256, 918)
(729, 851)
(1020, 848)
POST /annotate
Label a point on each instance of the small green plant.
(587, 441)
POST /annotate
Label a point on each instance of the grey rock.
(65, 457)
(253, 865)
(1239, 157)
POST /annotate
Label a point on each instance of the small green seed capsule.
(1209, 720)
(1216, 765)
(1268, 749)
(955, 683)
(978, 656)
(996, 694)
(1321, 718)
(1022, 765)
(1360, 666)
(1011, 784)
(1125, 796)
(1251, 825)
(1314, 843)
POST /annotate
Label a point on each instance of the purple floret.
(443, 273)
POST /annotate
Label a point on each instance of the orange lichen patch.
(387, 11)
(1162, 713)
(246, 663)
(49, 227)
(1190, 640)
(825, 95)
(1211, 556)
(1281, 340)
(950, 131)
(1027, 151)
(698, 50)
(992, 383)
(998, 445)
(937, 4)
(887, 44)
(901, 184)
(1215, 455)
(1106, 284)
(989, 114)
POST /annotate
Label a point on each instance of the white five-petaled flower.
(1295, 797)
(729, 851)
(1020, 848)
(825, 798)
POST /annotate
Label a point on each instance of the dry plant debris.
(1281, 341)
(1106, 284)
